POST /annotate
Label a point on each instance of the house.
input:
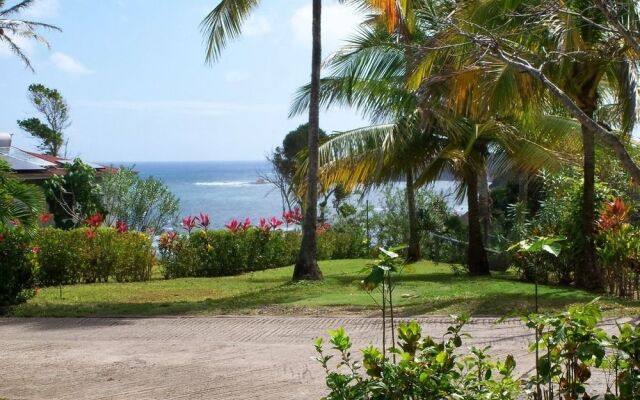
(32, 166)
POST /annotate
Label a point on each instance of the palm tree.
(585, 67)
(370, 74)
(11, 28)
(19, 202)
(225, 22)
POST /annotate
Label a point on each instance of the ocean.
(229, 189)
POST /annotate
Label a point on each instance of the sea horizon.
(228, 189)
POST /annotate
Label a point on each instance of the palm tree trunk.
(476, 254)
(588, 274)
(523, 187)
(484, 202)
(413, 253)
(306, 267)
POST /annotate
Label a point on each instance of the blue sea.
(228, 189)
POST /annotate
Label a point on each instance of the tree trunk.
(476, 254)
(413, 253)
(306, 267)
(484, 202)
(523, 188)
(588, 274)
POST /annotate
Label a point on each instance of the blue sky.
(133, 73)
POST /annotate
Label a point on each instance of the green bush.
(86, 255)
(571, 349)
(16, 267)
(437, 224)
(222, 252)
(426, 369)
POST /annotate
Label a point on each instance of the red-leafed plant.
(44, 219)
(189, 223)
(233, 225)
(95, 220)
(204, 221)
(293, 216)
(614, 216)
(275, 223)
(264, 225)
(121, 226)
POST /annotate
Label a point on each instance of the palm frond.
(224, 23)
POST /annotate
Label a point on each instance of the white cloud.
(67, 64)
(235, 76)
(339, 22)
(257, 25)
(191, 107)
(42, 9)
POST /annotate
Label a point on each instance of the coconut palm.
(12, 28)
(582, 63)
(224, 23)
(370, 74)
(19, 202)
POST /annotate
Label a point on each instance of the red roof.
(46, 157)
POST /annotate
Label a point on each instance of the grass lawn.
(426, 288)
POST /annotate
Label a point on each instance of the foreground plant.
(576, 349)
(427, 369)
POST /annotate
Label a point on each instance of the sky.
(134, 75)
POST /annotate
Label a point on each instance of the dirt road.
(194, 358)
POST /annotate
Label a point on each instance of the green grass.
(425, 288)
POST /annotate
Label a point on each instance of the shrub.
(92, 255)
(16, 267)
(427, 369)
(437, 223)
(226, 252)
(571, 349)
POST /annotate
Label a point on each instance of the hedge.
(16, 266)
(87, 255)
(221, 253)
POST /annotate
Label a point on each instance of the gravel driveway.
(194, 358)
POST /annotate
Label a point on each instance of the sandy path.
(193, 358)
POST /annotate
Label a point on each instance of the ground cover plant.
(422, 288)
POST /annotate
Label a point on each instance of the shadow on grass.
(245, 303)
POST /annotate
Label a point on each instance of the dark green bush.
(86, 255)
(16, 267)
(222, 252)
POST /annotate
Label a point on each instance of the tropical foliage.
(12, 29)
(573, 347)
(20, 203)
(143, 204)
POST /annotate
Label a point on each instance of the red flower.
(247, 224)
(45, 218)
(275, 222)
(204, 221)
(121, 226)
(189, 223)
(293, 217)
(233, 225)
(1, 237)
(90, 233)
(35, 249)
(95, 220)
(264, 225)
